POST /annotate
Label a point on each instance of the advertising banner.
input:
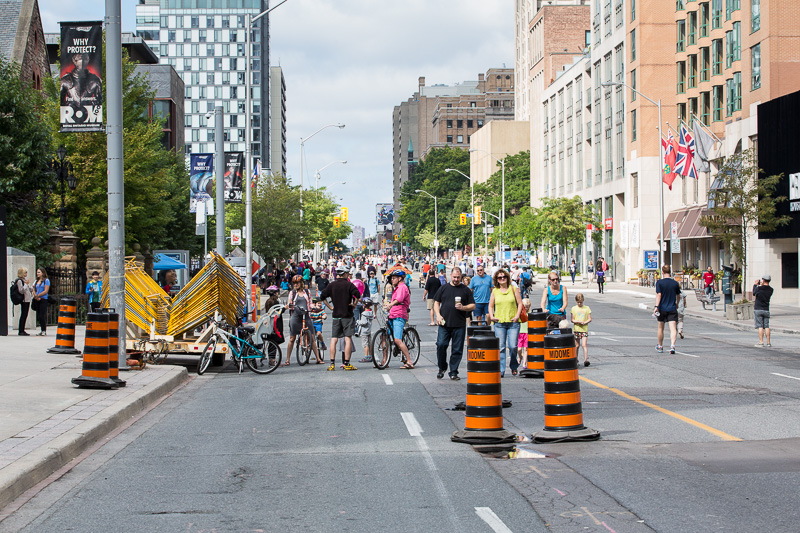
(234, 164)
(81, 75)
(651, 259)
(384, 216)
(201, 179)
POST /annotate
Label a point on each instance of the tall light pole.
(435, 221)
(502, 220)
(487, 223)
(219, 170)
(472, 202)
(316, 187)
(660, 163)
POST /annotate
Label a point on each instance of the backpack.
(526, 279)
(16, 296)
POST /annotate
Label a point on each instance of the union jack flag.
(684, 165)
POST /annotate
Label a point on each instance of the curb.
(740, 325)
(36, 466)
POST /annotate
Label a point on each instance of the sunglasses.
(553, 279)
(501, 277)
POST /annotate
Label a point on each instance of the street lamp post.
(435, 221)
(486, 233)
(502, 219)
(472, 202)
(63, 170)
(660, 163)
(316, 187)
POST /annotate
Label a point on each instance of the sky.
(351, 62)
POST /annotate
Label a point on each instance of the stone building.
(22, 39)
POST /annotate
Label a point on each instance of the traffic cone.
(483, 419)
(113, 347)
(96, 373)
(537, 328)
(65, 334)
(563, 412)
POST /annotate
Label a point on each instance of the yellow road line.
(718, 433)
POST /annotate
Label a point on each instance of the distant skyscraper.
(278, 118)
(357, 237)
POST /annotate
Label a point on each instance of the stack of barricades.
(483, 419)
(145, 302)
(65, 334)
(537, 328)
(563, 413)
(96, 372)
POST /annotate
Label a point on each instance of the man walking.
(344, 296)
(481, 286)
(666, 310)
(452, 304)
(762, 292)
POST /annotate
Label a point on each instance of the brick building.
(22, 39)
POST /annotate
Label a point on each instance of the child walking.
(365, 328)
(581, 316)
(522, 343)
(318, 316)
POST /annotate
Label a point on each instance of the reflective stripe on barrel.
(65, 334)
(484, 405)
(562, 394)
(537, 328)
(95, 351)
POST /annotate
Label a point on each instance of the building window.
(679, 5)
(473, 104)
(449, 138)
(693, 71)
(681, 36)
(633, 85)
(633, 11)
(705, 64)
(704, 16)
(633, 45)
(716, 14)
(733, 45)
(692, 108)
(681, 77)
(469, 123)
(633, 125)
(692, 22)
(681, 113)
(195, 22)
(705, 107)
(480, 122)
(459, 124)
(716, 56)
(635, 187)
(449, 124)
(755, 66)
(730, 7)
(717, 93)
(755, 15)
(459, 139)
(734, 96)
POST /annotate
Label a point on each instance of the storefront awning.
(688, 223)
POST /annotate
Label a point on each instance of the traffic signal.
(397, 237)
(463, 219)
(344, 214)
(335, 222)
(476, 215)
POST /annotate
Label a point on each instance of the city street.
(703, 440)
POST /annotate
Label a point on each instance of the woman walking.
(40, 299)
(505, 308)
(554, 299)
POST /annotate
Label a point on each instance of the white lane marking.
(785, 376)
(688, 354)
(387, 379)
(414, 429)
(487, 515)
(610, 339)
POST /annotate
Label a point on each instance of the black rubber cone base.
(94, 383)
(62, 349)
(576, 435)
(119, 382)
(539, 374)
(484, 437)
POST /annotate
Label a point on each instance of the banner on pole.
(201, 179)
(81, 98)
(234, 162)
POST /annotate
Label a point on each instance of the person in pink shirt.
(398, 312)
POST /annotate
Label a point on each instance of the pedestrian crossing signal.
(463, 219)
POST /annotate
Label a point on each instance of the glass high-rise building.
(204, 40)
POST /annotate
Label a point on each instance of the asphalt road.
(703, 440)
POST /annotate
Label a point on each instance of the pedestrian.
(481, 286)
(554, 298)
(522, 342)
(299, 303)
(708, 282)
(318, 317)
(666, 310)
(601, 280)
(452, 303)
(505, 309)
(343, 296)
(398, 314)
(432, 286)
(762, 292)
(526, 281)
(322, 281)
(41, 290)
(93, 289)
(365, 328)
(681, 313)
(26, 291)
(573, 269)
(581, 315)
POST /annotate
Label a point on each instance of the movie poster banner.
(81, 76)
(384, 217)
(234, 161)
(201, 179)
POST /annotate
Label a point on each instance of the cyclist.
(344, 296)
(298, 302)
(398, 312)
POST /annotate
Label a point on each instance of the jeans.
(446, 335)
(709, 290)
(573, 277)
(508, 333)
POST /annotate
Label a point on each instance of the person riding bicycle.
(298, 302)
(398, 312)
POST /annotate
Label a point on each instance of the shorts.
(522, 343)
(318, 327)
(581, 335)
(481, 309)
(429, 303)
(762, 318)
(397, 325)
(343, 327)
(668, 316)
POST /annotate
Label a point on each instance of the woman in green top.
(505, 307)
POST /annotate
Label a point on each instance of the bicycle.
(384, 338)
(304, 348)
(262, 360)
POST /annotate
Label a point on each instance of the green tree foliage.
(559, 221)
(489, 194)
(25, 184)
(319, 208)
(743, 204)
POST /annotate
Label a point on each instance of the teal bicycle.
(261, 359)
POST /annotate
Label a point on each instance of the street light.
(503, 195)
(660, 162)
(486, 233)
(472, 202)
(63, 171)
(317, 173)
(435, 221)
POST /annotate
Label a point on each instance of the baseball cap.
(766, 277)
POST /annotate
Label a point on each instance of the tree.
(742, 204)
(319, 208)
(562, 221)
(425, 239)
(489, 194)
(25, 183)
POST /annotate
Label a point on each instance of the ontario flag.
(256, 174)
(670, 147)
(685, 161)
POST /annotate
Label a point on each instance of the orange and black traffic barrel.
(537, 328)
(65, 334)
(96, 372)
(563, 412)
(113, 347)
(474, 331)
(483, 419)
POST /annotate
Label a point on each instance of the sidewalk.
(46, 421)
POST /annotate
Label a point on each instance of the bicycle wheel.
(205, 357)
(303, 350)
(381, 349)
(265, 360)
(411, 339)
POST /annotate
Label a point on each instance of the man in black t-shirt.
(667, 292)
(344, 296)
(762, 293)
(431, 288)
(452, 305)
